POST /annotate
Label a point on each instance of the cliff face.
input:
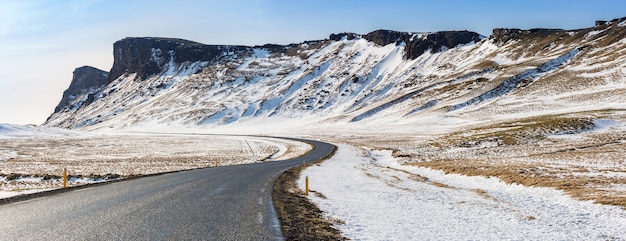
(85, 79)
(416, 43)
(148, 56)
(614, 29)
(503, 35)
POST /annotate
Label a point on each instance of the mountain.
(383, 77)
(86, 80)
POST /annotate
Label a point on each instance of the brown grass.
(485, 64)
(587, 167)
(439, 184)
(580, 187)
(484, 194)
(518, 132)
(542, 42)
(298, 50)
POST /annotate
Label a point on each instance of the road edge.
(34, 195)
(301, 219)
(59, 190)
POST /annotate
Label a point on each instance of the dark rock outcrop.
(148, 56)
(274, 48)
(340, 36)
(503, 35)
(85, 79)
(415, 45)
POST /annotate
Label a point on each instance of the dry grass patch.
(484, 194)
(543, 42)
(578, 186)
(518, 132)
(486, 64)
(439, 184)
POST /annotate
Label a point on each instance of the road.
(223, 203)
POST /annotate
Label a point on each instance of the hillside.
(380, 76)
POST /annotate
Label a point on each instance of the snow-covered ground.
(12, 131)
(376, 198)
(34, 184)
(32, 159)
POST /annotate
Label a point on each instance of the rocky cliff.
(416, 43)
(149, 56)
(85, 79)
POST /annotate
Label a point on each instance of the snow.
(156, 56)
(261, 53)
(342, 81)
(606, 124)
(501, 59)
(600, 125)
(594, 33)
(95, 157)
(379, 199)
(514, 82)
(34, 184)
(6, 154)
(14, 131)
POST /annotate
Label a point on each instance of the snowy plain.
(33, 159)
(377, 198)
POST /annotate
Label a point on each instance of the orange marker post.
(65, 178)
(307, 185)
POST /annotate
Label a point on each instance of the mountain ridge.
(346, 78)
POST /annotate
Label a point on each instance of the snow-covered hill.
(375, 79)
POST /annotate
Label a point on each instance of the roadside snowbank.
(379, 199)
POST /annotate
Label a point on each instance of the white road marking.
(83, 189)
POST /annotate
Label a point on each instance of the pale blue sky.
(42, 41)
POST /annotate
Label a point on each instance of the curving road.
(224, 203)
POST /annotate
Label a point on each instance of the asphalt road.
(223, 203)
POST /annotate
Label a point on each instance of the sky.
(43, 41)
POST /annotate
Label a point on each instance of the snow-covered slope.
(375, 79)
(12, 131)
